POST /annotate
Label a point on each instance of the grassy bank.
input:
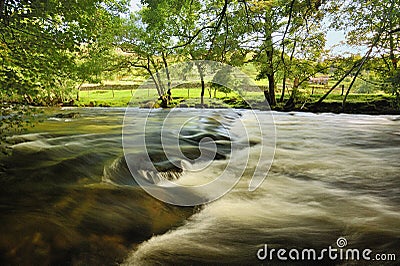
(123, 95)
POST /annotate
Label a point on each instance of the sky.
(134, 5)
(335, 38)
(335, 42)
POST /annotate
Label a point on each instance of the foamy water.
(68, 197)
(333, 176)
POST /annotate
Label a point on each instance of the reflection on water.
(66, 195)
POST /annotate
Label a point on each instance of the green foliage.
(48, 48)
(41, 40)
(221, 78)
(376, 25)
(394, 83)
(44, 47)
(289, 36)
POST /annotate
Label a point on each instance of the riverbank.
(372, 104)
(375, 107)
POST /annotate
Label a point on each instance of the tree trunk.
(365, 59)
(270, 72)
(202, 91)
(266, 95)
(79, 89)
(167, 71)
(169, 93)
(291, 103)
(155, 82)
(357, 64)
(337, 83)
(160, 84)
(152, 77)
(283, 50)
(283, 88)
(202, 83)
(157, 75)
(391, 39)
(271, 89)
(354, 78)
(269, 50)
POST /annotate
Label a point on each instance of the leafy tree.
(222, 76)
(40, 40)
(276, 27)
(203, 37)
(39, 44)
(375, 25)
(148, 40)
(182, 30)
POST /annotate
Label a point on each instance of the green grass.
(140, 97)
(105, 98)
(120, 97)
(250, 70)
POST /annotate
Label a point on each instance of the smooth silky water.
(67, 196)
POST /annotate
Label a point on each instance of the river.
(68, 198)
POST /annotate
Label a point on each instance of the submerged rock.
(68, 115)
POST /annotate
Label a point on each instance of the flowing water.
(67, 196)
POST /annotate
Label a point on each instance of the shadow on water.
(67, 196)
(54, 207)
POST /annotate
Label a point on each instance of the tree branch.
(394, 31)
(219, 23)
(191, 38)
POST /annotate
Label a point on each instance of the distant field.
(122, 97)
(122, 94)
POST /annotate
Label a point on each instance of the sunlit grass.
(140, 96)
(123, 94)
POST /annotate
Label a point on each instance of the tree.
(222, 76)
(274, 27)
(203, 38)
(39, 44)
(375, 26)
(148, 38)
(41, 39)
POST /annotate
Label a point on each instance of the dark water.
(67, 197)
(57, 203)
